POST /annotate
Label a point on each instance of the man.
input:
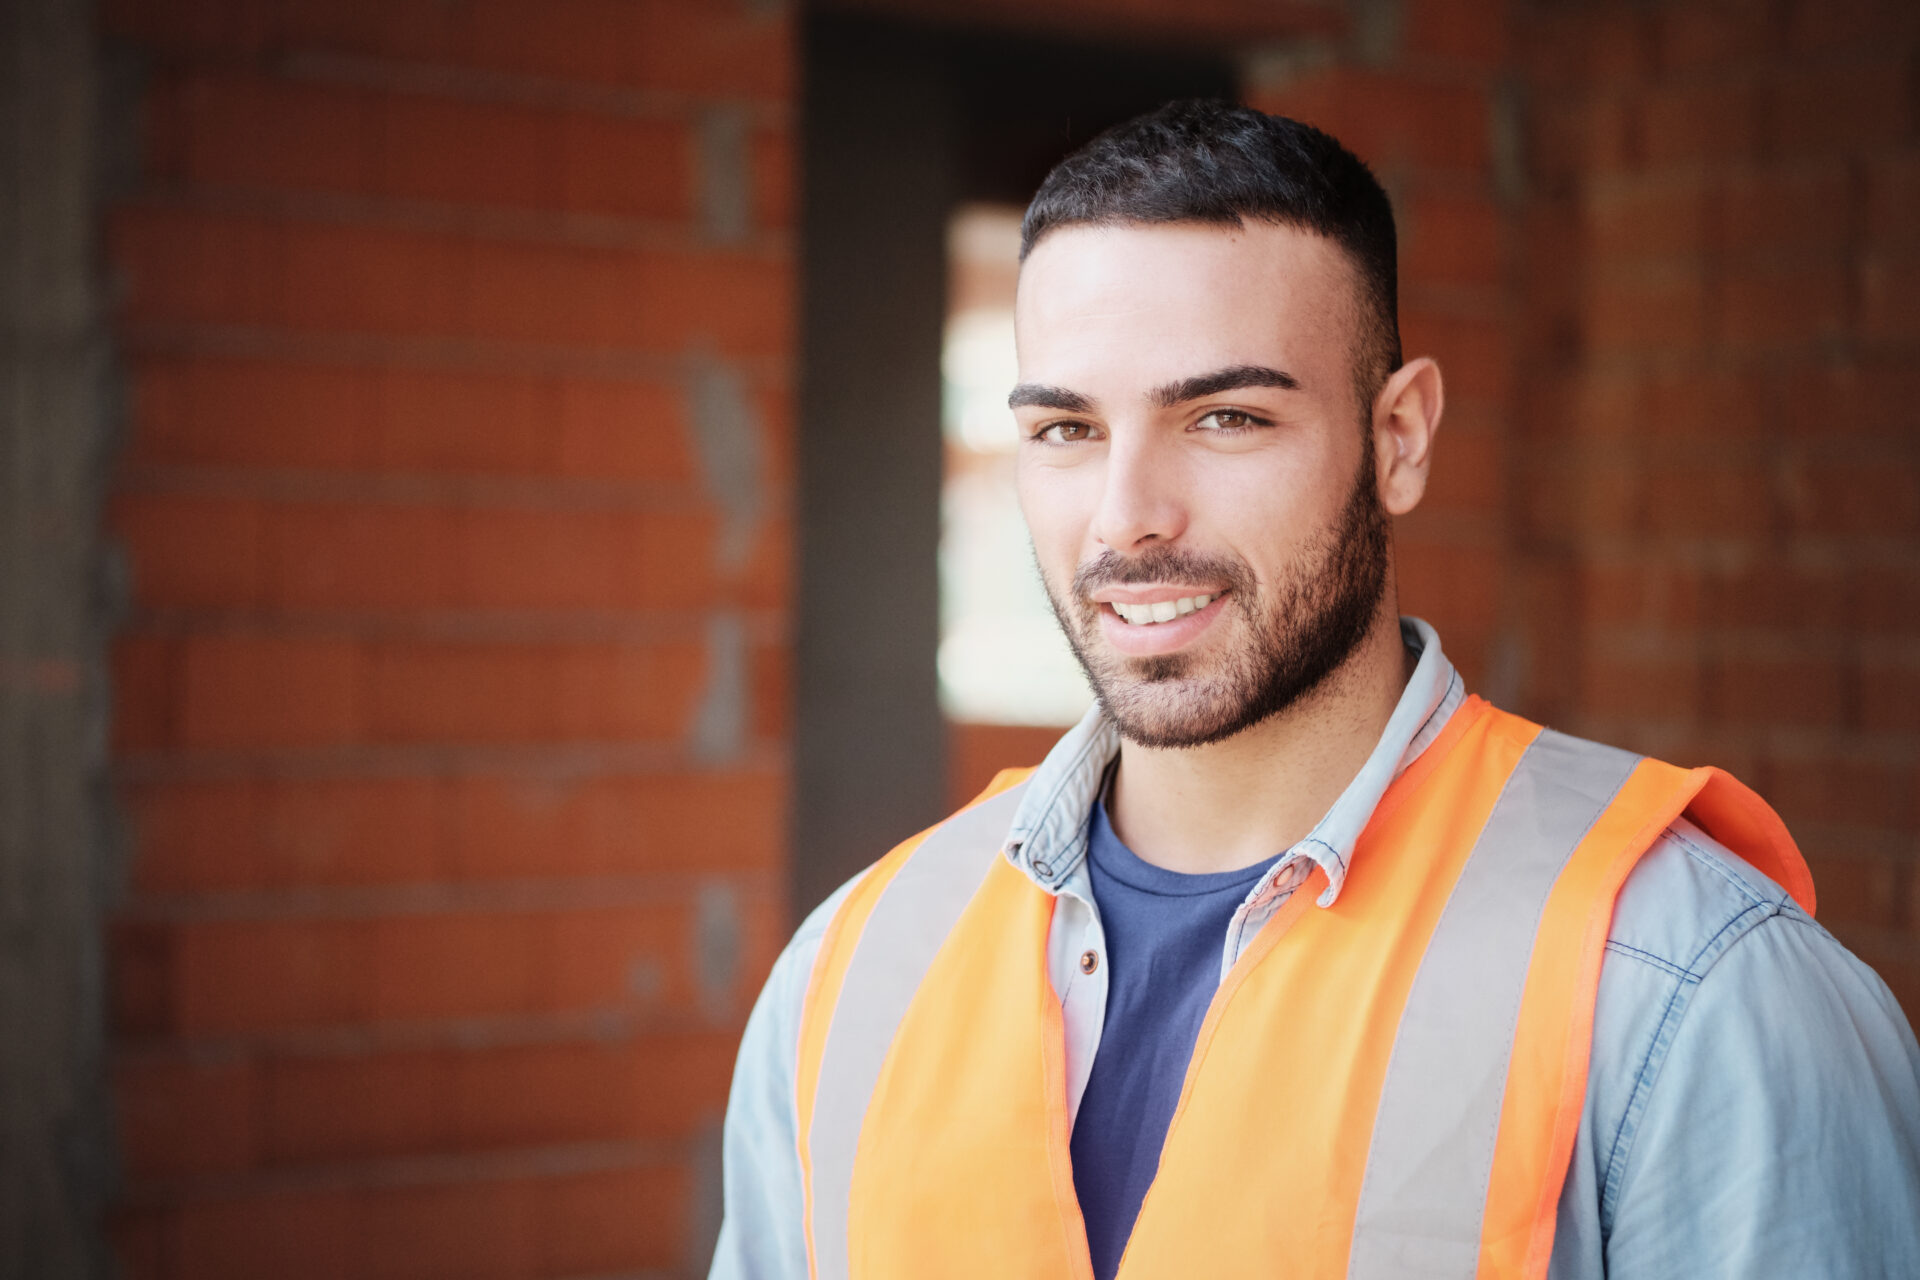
(1292, 958)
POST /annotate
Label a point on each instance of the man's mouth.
(1146, 615)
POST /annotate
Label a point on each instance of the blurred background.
(505, 506)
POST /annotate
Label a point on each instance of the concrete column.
(54, 375)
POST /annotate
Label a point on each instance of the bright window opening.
(1002, 658)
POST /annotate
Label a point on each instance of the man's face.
(1194, 468)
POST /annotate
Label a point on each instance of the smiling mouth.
(1147, 615)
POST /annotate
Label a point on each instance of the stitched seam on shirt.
(1647, 957)
(1650, 1065)
(1711, 952)
(1718, 867)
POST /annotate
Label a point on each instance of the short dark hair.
(1208, 161)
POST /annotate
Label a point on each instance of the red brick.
(1392, 121)
(195, 835)
(1626, 685)
(1646, 309)
(1893, 199)
(976, 752)
(1468, 475)
(1696, 37)
(1633, 597)
(623, 165)
(1634, 218)
(1800, 208)
(589, 559)
(206, 410)
(1468, 32)
(248, 975)
(1828, 400)
(1886, 599)
(1869, 496)
(236, 130)
(772, 164)
(355, 1107)
(1572, 141)
(1890, 298)
(1841, 790)
(190, 551)
(387, 556)
(470, 152)
(1871, 25)
(142, 968)
(455, 965)
(1711, 499)
(620, 957)
(1476, 356)
(1861, 889)
(480, 1230)
(1452, 587)
(305, 1235)
(622, 430)
(1450, 239)
(1889, 696)
(589, 1224)
(1768, 308)
(145, 673)
(180, 1116)
(1800, 692)
(634, 298)
(1704, 404)
(504, 827)
(718, 50)
(239, 689)
(1780, 597)
(1576, 496)
(505, 693)
(1844, 106)
(188, 267)
(1690, 122)
(285, 832)
(1594, 45)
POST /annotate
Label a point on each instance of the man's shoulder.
(1688, 899)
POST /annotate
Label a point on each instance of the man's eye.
(1231, 421)
(1064, 433)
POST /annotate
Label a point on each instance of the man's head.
(1224, 165)
(1205, 313)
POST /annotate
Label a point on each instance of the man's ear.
(1406, 414)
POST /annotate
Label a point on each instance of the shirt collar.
(1048, 839)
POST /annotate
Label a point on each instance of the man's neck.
(1234, 803)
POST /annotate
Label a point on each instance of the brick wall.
(449, 719)
(450, 691)
(1716, 496)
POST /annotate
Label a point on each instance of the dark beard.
(1317, 618)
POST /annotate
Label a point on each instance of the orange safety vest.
(1385, 1087)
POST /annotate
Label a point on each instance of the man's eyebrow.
(1229, 379)
(1044, 397)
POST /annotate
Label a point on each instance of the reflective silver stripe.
(1425, 1190)
(904, 932)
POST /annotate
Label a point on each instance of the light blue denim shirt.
(1753, 1098)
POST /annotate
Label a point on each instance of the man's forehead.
(1168, 301)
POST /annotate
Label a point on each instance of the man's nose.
(1143, 498)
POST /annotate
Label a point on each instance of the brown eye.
(1064, 433)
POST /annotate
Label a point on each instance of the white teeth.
(1141, 615)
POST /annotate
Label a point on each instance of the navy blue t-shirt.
(1165, 932)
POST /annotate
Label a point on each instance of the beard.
(1300, 629)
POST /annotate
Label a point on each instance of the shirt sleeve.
(1779, 1132)
(761, 1235)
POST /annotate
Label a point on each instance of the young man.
(1293, 958)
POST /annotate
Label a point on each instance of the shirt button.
(1042, 868)
(1089, 961)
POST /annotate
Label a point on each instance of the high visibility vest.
(1383, 1088)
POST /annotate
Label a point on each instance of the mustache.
(1161, 564)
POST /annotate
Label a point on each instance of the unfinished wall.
(1716, 494)
(450, 705)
